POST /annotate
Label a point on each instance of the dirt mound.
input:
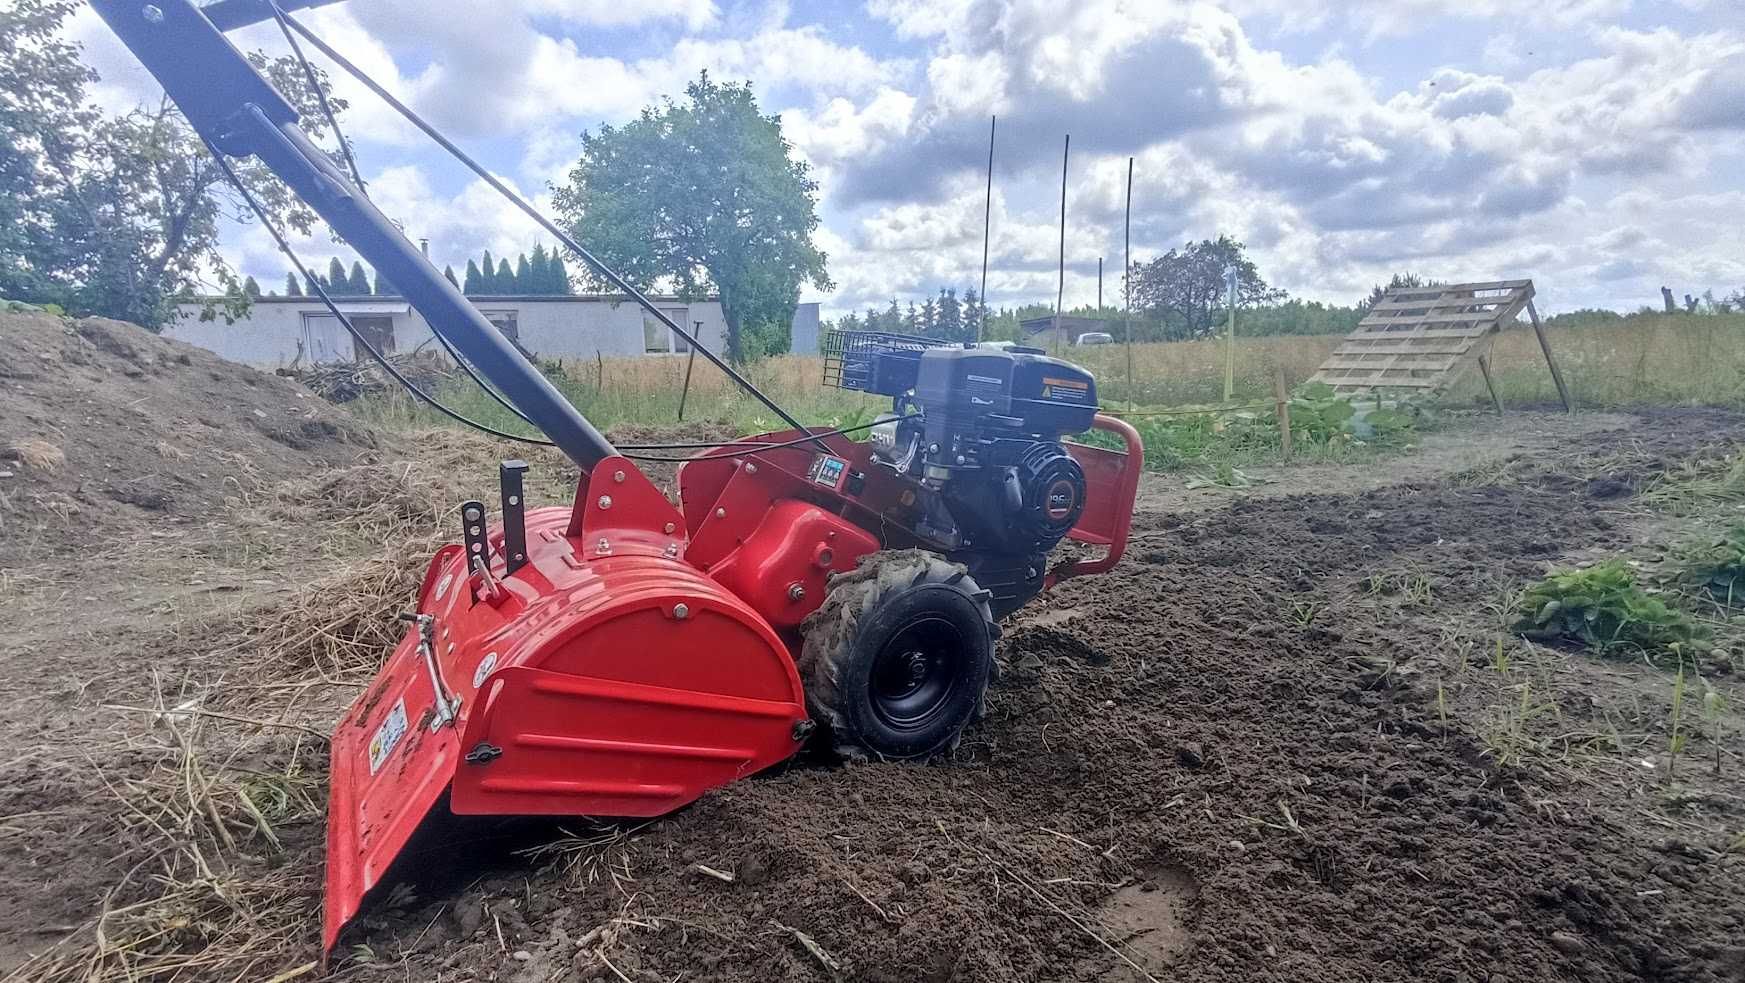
(105, 426)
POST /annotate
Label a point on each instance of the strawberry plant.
(1604, 609)
(1719, 566)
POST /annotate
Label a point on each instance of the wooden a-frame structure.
(1422, 338)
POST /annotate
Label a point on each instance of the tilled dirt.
(1182, 775)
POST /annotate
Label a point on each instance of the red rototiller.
(625, 655)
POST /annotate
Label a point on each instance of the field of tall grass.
(1646, 361)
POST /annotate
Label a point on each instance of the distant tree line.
(1185, 294)
(541, 274)
(945, 317)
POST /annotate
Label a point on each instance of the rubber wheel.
(898, 657)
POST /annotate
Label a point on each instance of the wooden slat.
(1471, 317)
(1371, 382)
(1441, 363)
(1442, 348)
(1405, 340)
(1442, 335)
(1460, 288)
(1432, 306)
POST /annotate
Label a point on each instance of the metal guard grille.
(846, 361)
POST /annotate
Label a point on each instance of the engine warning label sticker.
(388, 736)
(1073, 389)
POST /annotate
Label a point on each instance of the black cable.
(320, 96)
(811, 437)
(562, 237)
(285, 247)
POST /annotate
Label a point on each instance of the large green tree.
(703, 196)
(1185, 288)
(116, 215)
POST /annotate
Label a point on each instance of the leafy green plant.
(1319, 413)
(1718, 566)
(1604, 609)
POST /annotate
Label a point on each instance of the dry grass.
(38, 455)
(215, 795)
(219, 876)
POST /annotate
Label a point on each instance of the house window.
(506, 322)
(658, 338)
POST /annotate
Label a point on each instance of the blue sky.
(1594, 145)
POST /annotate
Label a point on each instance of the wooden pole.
(1550, 359)
(1282, 400)
(987, 229)
(690, 363)
(1099, 285)
(1230, 347)
(1484, 368)
(1127, 281)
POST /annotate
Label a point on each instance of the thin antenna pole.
(1099, 284)
(1060, 291)
(1127, 281)
(987, 229)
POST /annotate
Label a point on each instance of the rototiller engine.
(624, 655)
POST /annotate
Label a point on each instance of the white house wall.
(571, 327)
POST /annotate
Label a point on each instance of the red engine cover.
(781, 567)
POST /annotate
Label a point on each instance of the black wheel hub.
(916, 671)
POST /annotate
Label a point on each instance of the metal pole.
(1099, 284)
(1060, 291)
(690, 363)
(987, 229)
(1127, 280)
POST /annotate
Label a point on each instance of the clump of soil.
(105, 426)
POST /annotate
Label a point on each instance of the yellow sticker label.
(1065, 383)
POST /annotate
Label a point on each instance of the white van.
(1095, 338)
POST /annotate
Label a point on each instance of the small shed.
(1059, 330)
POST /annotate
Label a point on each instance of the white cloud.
(693, 14)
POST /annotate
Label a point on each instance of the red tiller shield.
(607, 677)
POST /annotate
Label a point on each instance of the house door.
(377, 330)
(326, 340)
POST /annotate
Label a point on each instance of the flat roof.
(494, 298)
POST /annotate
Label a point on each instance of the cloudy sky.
(1597, 146)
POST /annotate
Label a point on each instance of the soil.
(106, 428)
(1233, 758)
